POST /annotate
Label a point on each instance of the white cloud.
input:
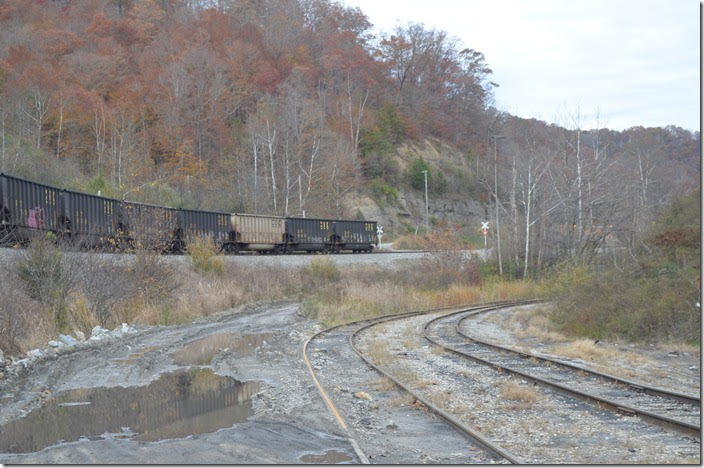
(637, 61)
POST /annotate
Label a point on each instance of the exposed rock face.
(455, 207)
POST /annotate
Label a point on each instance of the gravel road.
(286, 421)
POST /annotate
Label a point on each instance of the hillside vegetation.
(292, 107)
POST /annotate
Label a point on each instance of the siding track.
(353, 330)
(667, 409)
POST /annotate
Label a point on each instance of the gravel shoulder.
(385, 259)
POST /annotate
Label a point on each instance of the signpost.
(485, 230)
(379, 233)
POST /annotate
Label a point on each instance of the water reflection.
(136, 356)
(329, 457)
(201, 352)
(177, 404)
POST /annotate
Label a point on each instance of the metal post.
(425, 177)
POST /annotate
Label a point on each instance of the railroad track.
(664, 408)
(356, 328)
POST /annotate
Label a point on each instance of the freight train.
(93, 222)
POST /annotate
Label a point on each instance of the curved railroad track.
(664, 408)
(349, 332)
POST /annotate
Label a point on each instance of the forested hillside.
(286, 107)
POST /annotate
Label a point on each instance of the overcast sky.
(636, 62)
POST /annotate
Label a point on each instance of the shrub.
(381, 165)
(390, 123)
(416, 175)
(323, 269)
(155, 278)
(45, 277)
(20, 317)
(439, 184)
(382, 191)
(374, 141)
(204, 255)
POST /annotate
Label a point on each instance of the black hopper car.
(89, 221)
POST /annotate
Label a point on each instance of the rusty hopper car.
(308, 234)
(357, 236)
(257, 232)
(27, 208)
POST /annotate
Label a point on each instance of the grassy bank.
(48, 292)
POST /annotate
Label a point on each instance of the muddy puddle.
(178, 404)
(201, 352)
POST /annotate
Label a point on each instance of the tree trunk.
(271, 141)
(61, 121)
(527, 245)
(514, 212)
(255, 148)
(498, 226)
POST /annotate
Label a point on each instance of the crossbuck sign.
(485, 230)
(379, 232)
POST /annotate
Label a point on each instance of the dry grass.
(411, 339)
(407, 376)
(411, 242)
(603, 358)
(441, 399)
(379, 353)
(384, 384)
(534, 322)
(438, 350)
(406, 399)
(204, 255)
(681, 347)
(586, 350)
(522, 396)
(147, 289)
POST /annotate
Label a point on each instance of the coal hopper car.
(357, 236)
(27, 208)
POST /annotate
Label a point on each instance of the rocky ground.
(389, 425)
(537, 425)
(233, 388)
(673, 367)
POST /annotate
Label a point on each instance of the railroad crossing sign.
(379, 233)
(485, 230)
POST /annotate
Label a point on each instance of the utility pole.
(496, 202)
(425, 177)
